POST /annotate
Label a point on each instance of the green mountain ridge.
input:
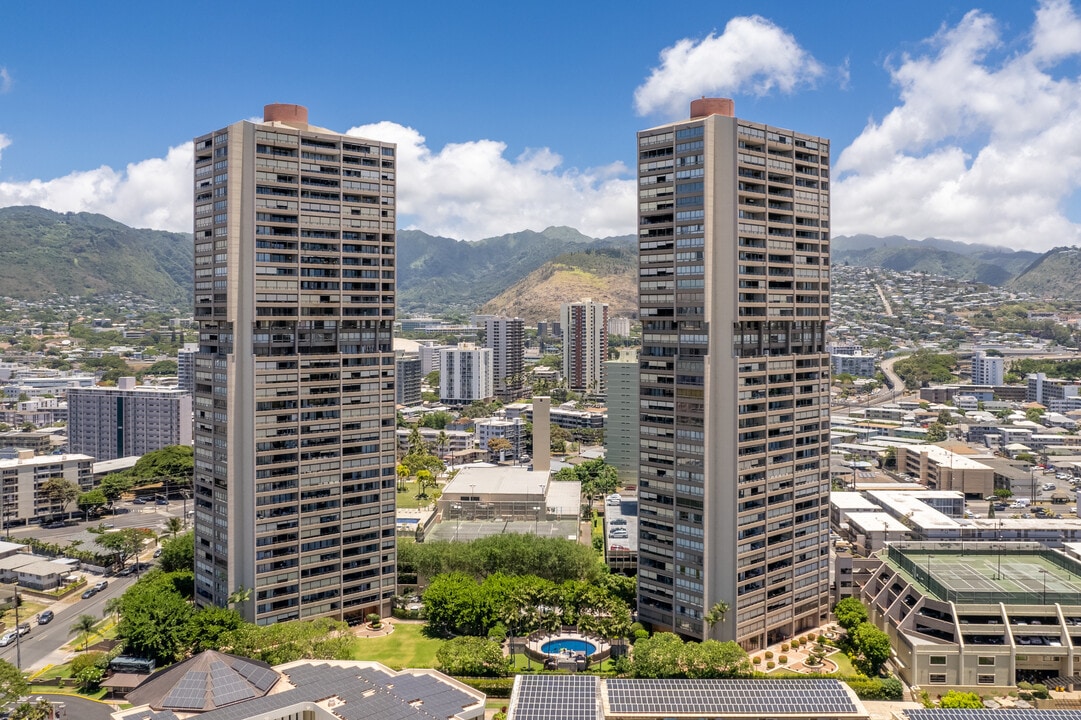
(443, 275)
(44, 252)
(978, 263)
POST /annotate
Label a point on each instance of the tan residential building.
(294, 376)
(733, 222)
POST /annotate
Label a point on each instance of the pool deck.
(535, 646)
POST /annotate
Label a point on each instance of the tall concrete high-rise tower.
(505, 336)
(585, 345)
(733, 224)
(294, 376)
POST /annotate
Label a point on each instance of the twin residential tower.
(733, 226)
(294, 376)
(294, 398)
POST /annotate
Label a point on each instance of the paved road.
(46, 640)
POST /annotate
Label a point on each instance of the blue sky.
(944, 117)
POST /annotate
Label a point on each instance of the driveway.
(77, 708)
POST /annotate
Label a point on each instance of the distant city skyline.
(946, 120)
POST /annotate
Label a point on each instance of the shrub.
(374, 620)
(498, 633)
(769, 654)
(784, 647)
(88, 660)
(783, 659)
(1039, 691)
(641, 634)
(770, 665)
(876, 688)
(90, 677)
(756, 660)
(492, 687)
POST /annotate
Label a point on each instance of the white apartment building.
(509, 429)
(21, 478)
(465, 374)
(987, 369)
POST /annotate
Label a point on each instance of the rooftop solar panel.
(771, 697)
(1000, 714)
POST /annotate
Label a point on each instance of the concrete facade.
(734, 482)
(294, 230)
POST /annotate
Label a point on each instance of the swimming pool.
(554, 647)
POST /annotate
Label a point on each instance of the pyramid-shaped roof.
(204, 682)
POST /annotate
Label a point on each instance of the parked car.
(8, 638)
(619, 533)
(613, 499)
(157, 553)
(45, 617)
(24, 628)
(101, 585)
(161, 501)
(127, 570)
(89, 593)
(138, 501)
(54, 525)
(617, 521)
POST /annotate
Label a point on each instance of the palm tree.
(442, 442)
(174, 525)
(84, 625)
(716, 613)
(112, 607)
(403, 475)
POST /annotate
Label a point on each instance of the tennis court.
(465, 530)
(989, 576)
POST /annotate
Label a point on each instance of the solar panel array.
(709, 697)
(568, 697)
(261, 677)
(228, 687)
(438, 698)
(189, 693)
(997, 714)
(365, 694)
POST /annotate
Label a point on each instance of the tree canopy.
(176, 462)
(553, 559)
(12, 683)
(155, 617)
(850, 612)
(665, 655)
(472, 657)
(178, 553)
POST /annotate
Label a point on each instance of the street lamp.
(1044, 574)
(473, 499)
(929, 558)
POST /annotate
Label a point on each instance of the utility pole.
(18, 634)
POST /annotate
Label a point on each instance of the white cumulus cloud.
(153, 193)
(752, 55)
(5, 80)
(980, 148)
(466, 190)
(471, 190)
(4, 142)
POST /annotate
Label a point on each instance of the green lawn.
(408, 499)
(406, 647)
